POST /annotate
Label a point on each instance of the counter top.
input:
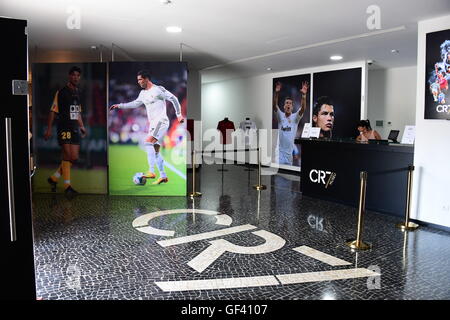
(392, 147)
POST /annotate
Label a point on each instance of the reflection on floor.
(233, 243)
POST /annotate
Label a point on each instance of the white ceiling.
(230, 38)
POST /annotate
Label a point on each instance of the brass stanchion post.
(194, 193)
(407, 225)
(358, 243)
(259, 186)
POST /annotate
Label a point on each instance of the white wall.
(234, 99)
(237, 99)
(431, 200)
(392, 98)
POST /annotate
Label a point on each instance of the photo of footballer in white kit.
(147, 128)
(290, 111)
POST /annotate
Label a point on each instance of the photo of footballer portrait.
(69, 128)
(290, 111)
(147, 128)
(437, 104)
(336, 105)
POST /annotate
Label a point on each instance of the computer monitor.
(393, 135)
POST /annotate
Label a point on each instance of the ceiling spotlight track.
(100, 48)
(314, 45)
(124, 52)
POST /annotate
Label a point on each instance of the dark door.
(16, 231)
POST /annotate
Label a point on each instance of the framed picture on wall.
(290, 112)
(337, 102)
(437, 104)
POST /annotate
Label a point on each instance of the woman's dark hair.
(365, 124)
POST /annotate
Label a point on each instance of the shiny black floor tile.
(87, 248)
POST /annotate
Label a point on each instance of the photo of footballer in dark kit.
(69, 128)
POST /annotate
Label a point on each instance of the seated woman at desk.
(366, 133)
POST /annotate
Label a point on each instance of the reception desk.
(330, 170)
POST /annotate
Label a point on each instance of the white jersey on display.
(247, 125)
(248, 128)
(287, 130)
(154, 100)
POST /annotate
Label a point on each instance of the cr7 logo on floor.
(218, 247)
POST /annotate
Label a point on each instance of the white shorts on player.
(158, 130)
(154, 99)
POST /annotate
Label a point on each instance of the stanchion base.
(195, 194)
(410, 227)
(362, 245)
(259, 187)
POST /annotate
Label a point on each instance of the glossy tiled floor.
(88, 248)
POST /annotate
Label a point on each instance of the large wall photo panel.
(147, 128)
(290, 112)
(337, 102)
(437, 104)
(72, 152)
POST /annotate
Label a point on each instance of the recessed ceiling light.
(394, 51)
(336, 58)
(174, 29)
(165, 1)
(269, 69)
